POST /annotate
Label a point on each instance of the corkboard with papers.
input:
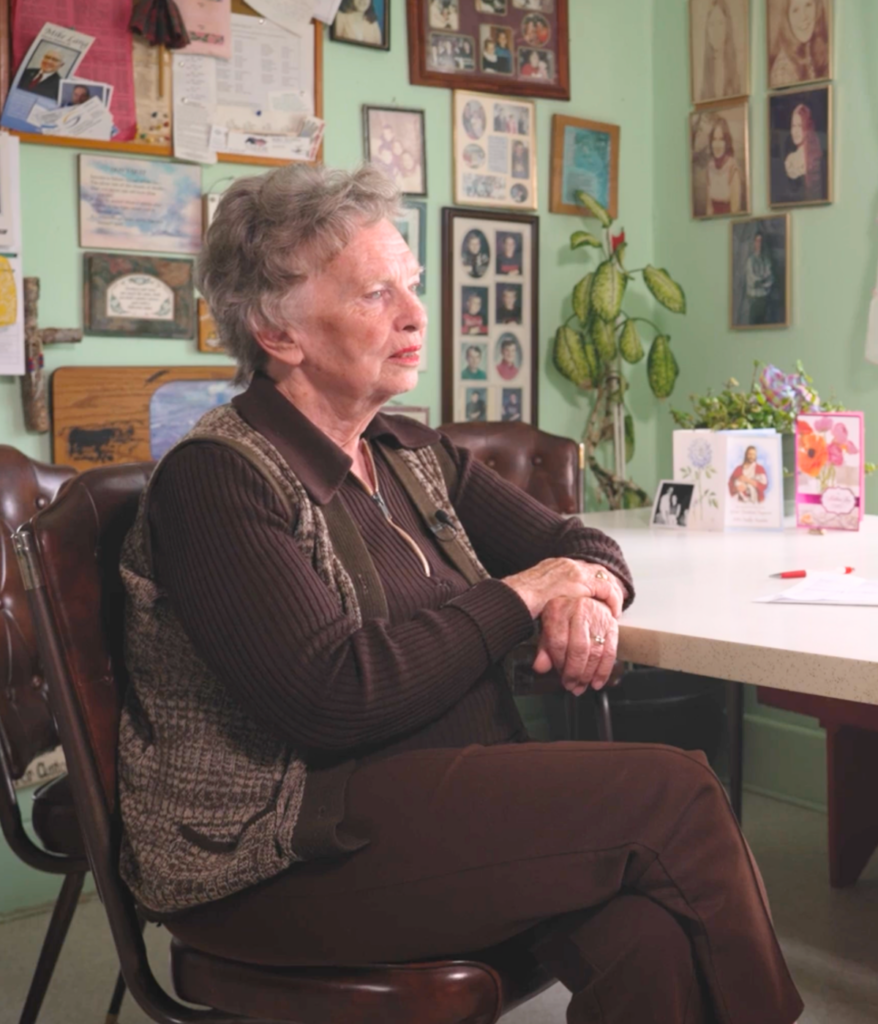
(152, 72)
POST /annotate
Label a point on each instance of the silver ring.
(601, 575)
(599, 640)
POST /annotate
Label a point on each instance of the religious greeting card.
(830, 472)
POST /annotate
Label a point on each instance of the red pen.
(798, 574)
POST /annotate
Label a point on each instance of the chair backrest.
(69, 555)
(26, 726)
(548, 467)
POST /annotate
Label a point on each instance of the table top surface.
(695, 608)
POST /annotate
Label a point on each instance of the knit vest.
(209, 798)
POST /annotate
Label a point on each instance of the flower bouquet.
(830, 472)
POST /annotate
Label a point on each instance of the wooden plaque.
(104, 414)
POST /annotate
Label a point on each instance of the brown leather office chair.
(26, 726)
(71, 554)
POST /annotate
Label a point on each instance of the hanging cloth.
(160, 23)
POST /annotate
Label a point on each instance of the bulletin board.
(7, 72)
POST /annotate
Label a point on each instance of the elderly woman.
(320, 760)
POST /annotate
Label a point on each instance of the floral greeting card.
(699, 458)
(830, 472)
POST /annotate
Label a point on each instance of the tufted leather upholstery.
(26, 727)
(79, 610)
(544, 465)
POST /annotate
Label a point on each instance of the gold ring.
(601, 575)
(599, 640)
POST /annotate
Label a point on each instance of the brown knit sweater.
(266, 625)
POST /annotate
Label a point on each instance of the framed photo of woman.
(490, 316)
(719, 49)
(395, 141)
(719, 156)
(494, 151)
(800, 147)
(799, 42)
(362, 23)
(760, 273)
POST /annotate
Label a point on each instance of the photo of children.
(496, 55)
(508, 303)
(511, 411)
(476, 254)
(476, 407)
(508, 252)
(511, 118)
(474, 361)
(507, 352)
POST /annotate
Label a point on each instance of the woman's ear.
(281, 344)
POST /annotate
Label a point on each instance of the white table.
(695, 612)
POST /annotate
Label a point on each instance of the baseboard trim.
(20, 913)
(786, 798)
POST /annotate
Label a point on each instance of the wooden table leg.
(852, 767)
(735, 723)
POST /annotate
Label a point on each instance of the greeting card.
(830, 472)
(737, 478)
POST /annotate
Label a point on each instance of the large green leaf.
(665, 289)
(593, 360)
(582, 297)
(661, 367)
(594, 208)
(604, 337)
(569, 357)
(580, 238)
(607, 291)
(629, 437)
(630, 345)
(620, 254)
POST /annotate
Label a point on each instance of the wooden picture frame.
(800, 165)
(117, 287)
(448, 51)
(715, 23)
(585, 156)
(799, 54)
(421, 413)
(208, 336)
(720, 179)
(494, 151)
(760, 273)
(395, 140)
(355, 31)
(412, 225)
(147, 148)
(494, 257)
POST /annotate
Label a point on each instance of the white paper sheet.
(10, 194)
(194, 86)
(289, 14)
(12, 337)
(827, 588)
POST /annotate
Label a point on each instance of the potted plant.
(599, 337)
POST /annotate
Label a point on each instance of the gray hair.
(271, 232)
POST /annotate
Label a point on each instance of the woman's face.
(716, 28)
(717, 142)
(362, 5)
(362, 328)
(797, 129)
(502, 39)
(803, 17)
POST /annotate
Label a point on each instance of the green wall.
(611, 73)
(834, 254)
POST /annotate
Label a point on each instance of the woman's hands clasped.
(578, 604)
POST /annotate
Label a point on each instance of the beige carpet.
(830, 938)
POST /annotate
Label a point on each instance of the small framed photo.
(760, 267)
(395, 141)
(421, 413)
(719, 49)
(800, 147)
(585, 157)
(412, 225)
(490, 316)
(512, 47)
(362, 23)
(799, 42)
(494, 151)
(670, 509)
(719, 155)
(208, 336)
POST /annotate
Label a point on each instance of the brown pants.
(658, 914)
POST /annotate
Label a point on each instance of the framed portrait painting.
(514, 47)
(719, 157)
(585, 157)
(490, 275)
(800, 147)
(395, 141)
(760, 268)
(362, 23)
(719, 50)
(799, 42)
(494, 151)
